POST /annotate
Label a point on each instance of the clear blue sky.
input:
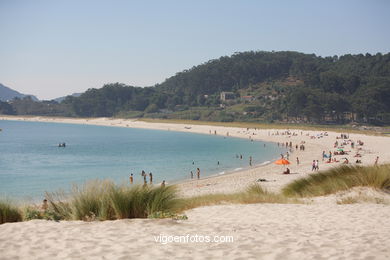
(52, 48)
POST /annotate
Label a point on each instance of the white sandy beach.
(322, 229)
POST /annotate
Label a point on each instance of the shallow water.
(31, 161)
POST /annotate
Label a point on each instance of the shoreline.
(315, 142)
(106, 123)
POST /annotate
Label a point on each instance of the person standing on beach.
(376, 160)
(44, 206)
(163, 184)
(131, 178)
(145, 181)
(151, 178)
(192, 175)
(250, 160)
(198, 173)
(297, 161)
(316, 165)
(313, 165)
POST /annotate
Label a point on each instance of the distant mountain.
(60, 99)
(7, 93)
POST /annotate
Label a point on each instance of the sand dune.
(260, 231)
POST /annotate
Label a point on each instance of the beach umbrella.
(282, 162)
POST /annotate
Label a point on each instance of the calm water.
(31, 161)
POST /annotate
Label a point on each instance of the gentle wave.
(265, 163)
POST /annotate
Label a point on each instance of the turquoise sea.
(31, 161)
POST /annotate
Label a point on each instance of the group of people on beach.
(197, 174)
(145, 175)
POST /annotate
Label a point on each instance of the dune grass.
(9, 212)
(339, 179)
(362, 199)
(91, 200)
(140, 202)
(103, 200)
(253, 194)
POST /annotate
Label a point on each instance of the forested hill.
(264, 86)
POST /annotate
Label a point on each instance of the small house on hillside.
(248, 98)
(225, 96)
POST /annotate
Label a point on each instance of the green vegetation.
(254, 194)
(339, 179)
(103, 200)
(362, 199)
(9, 212)
(266, 87)
(139, 202)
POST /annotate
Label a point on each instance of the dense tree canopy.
(285, 86)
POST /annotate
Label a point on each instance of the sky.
(53, 48)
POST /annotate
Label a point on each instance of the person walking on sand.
(163, 184)
(297, 161)
(151, 178)
(313, 165)
(250, 160)
(198, 173)
(192, 175)
(131, 179)
(376, 160)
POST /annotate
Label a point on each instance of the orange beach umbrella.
(282, 162)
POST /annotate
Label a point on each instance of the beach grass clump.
(9, 212)
(91, 201)
(59, 205)
(140, 202)
(362, 199)
(253, 194)
(339, 179)
(257, 194)
(103, 200)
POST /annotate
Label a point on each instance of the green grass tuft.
(339, 179)
(253, 194)
(9, 212)
(103, 200)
